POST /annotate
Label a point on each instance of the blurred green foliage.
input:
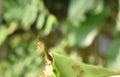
(72, 27)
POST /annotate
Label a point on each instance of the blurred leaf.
(33, 73)
(71, 68)
(30, 14)
(32, 46)
(14, 41)
(85, 34)
(12, 28)
(20, 51)
(11, 3)
(99, 6)
(49, 24)
(3, 34)
(113, 53)
(41, 6)
(41, 20)
(77, 10)
(8, 73)
(117, 27)
(3, 66)
(71, 39)
(18, 69)
(116, 64)
(25, 67)
(13, 58)
(15, 13)
(115, 76)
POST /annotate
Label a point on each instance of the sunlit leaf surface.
(72, 68)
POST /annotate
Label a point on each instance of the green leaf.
(14, 13)
(113, 53)
(88, 30)
(41, 21)
(14, 41)
(117, 27)
(3, 34)
(49, 24)
(30, 14)
(77, 10)
(72, 68)
(13, 27)
(41, 6)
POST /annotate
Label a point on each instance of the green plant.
(69, 29)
